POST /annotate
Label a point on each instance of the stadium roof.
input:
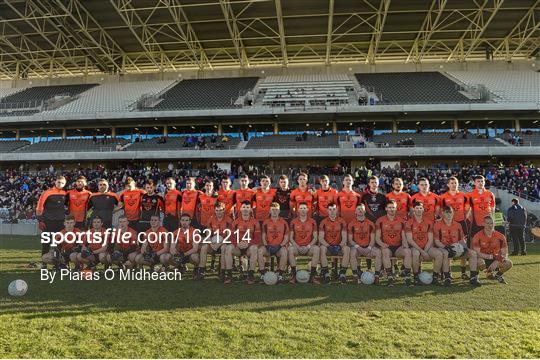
(73, 37)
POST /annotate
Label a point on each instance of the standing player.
(283, 198)
(173, 203)
(246, 236)
(130, 200)
(65, 250)
(482, 204)
(419, 232)
(103, 203)
(275, 239)
(190, 200)
(220, 225)
(127, 249)
(459, 201)
(243, 194)
(374, 201)
(264, 197)
(323, 197)
(185, 247)
(302, 194)
(77, 201)
(155, 247)
(391, 239)
(151, 204)
(226, 196)
(207, 202)
(51, 211)
(401, 198)
(347, 200)
(303, 241)
(492, 250)
(446, 233)
(428, 199)
(333, 240)
(361, 236)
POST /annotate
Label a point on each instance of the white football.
(17, 287)
(425, 277)
(367, 278)
(302, 276)
(270, 278)
(458, 249)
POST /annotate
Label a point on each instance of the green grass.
(112, 319)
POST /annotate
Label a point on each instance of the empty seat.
(68, 145)
(10, 145)
(179, 143)
(435, 139)
(283, 141)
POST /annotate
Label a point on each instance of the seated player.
(246, 235)
(492, 250)
(303, 241)
(446, 233)
(275, 239)
(333, 241)
(95, 246)
(391, 239)
(185, 247)
(361, 236)
(66, 250)
(127, 248)
(419, 232)
(155, 247)
(220, 225)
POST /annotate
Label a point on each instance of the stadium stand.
(434, 139)
(9, 91)
(302, 90)
(293, 141)
(66, 145)
(113, 97)
(524, 138)
(507, 86)
(185, 143)
(10, 145)
(413, 88)
(220, 93)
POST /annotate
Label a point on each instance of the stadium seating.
(507, 86)
(434, 139)
(9, 91)
(221, 93)
(64, 145)
(413, 88)
(10, 145)
(290, 142)
(178, 142)
(113, 97)
(531, 139)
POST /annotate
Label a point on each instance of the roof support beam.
(236, 38)
(329, 31)
(428, 28)
(377, 33)
(281, 28)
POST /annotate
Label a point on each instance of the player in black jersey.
(283, 198)
(374, 201)
(151, 204)
(103, 204)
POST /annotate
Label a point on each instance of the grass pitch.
(118, 319)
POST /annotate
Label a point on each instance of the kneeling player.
(127, 249)
(492, 250)
(361, 235)
(333, 241)
(220, 225)
(155, 248)
(391, 239)
(419, 232)
(66, 250)
(446, 233)
(303, 241)
(246, 234)
(185, 246)
(275, 238)
(95, 245)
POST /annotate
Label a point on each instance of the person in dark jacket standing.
(517, 218)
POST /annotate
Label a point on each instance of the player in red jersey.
(492, 250)
(77, 201)
(127, 249)
(361, 236)
(333, 240)
(243, 194)
(246, 237)
(324, 196)
(302, 194)
(155, 246)
(190, 200)
(303, 238)
(428, 199)
(446, 233)
(173, 203)
(226, 196)
(66, 248)
(390, 237)
(347, 200)
(275, 240)
(130, 200)
(264, 196)
(207, 202)
(220, 226)
(460, 202)
(185, 246)
(95, 246)
(482, 204)
(419, 232)
(401, 198)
